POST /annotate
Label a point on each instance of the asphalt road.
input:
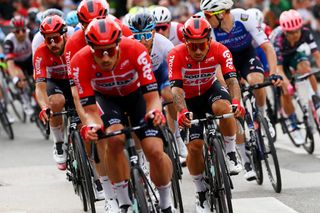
(30, 181)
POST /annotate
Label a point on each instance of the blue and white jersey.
(160, 49)
(246, 29)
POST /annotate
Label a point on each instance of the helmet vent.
(90, 6)
(102, 26)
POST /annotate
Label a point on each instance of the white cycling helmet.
(257, 14)
(215, 5)
(161, 14)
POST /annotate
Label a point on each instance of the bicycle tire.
(73, 158)
(271, 113)
(221, 178)
(268, 148)
(309, 140)
(6, 124)
(85, 173)
(176, 176)
(287, 131)
(138, 183)
(256, 161)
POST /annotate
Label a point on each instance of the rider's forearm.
(77, 103)
(152, 100)
(41, 94)
(178, 97)
(271, 57)
(234, 88)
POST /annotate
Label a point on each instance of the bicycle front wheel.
(6, 124)
(270, 155)
(221, 178)
(138, 184)
(85, 170)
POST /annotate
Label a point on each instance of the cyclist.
(86, 12)
(38, 38)
(72, 19)
(52, 86)
(17, 48)
(192, 72)
(170, 29)
(120, 74)
(289, 39)
(142, 26)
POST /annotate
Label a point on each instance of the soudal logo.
(38, 65)
(147, 69)
(76, 79)
(171, 59)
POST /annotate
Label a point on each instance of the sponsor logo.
(209, 60)
(68, 62)
(123, 64)
(171, 58)
(38, 62)
(98, 74)
(76, 79)
(244, 17)
(189, 66)
(147, 70)
(229, 62)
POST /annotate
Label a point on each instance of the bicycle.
(79, 168)
(141, 192)
(216, 170)
(308, 119)
(260, 143)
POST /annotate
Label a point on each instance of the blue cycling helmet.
(72, 18)
(142, 22)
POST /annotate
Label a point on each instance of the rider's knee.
(195, 147)
(56, 102)
(221, 106)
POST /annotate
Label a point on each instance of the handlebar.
(211, 117)
(256, 86)
(50, 115)
(125, 130)
(305, 76)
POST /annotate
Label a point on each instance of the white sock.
(57, 134)
(121, 190)
(230, 143)
(262, 110)
(198, 180)
(176, 126)
(165, 198)
(244, 156)
(107, 188)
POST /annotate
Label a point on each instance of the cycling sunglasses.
(162, 27)
(56, 39)
(106, 51)
(146, 35)
(18, 30)
(195, 46)
(208, 14)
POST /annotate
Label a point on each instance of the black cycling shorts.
(201, 105)
(247, 62)
(116, 110)
(61, 87)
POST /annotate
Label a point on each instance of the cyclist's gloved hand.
(276, 79)
(44, 114)
(89, 132)
(156, 116)
(240, 111)
(184, 118)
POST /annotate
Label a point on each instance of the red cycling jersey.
(197, 77)
(47, 65)
(133, 70)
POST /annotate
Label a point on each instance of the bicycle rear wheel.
(256, 160)
(309, 139)
(270, 155)
(5, 123)
(221, 179)
(85, 170)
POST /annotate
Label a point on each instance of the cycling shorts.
(61, 87)
(116, 110)
(291, 62)
(201, 105)
(247, 62)
(263, 59)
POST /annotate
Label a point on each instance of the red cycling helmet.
(196, 27)
(18, 22)
(53, 24)
(101, 32)
(290, 20)
(90, 9)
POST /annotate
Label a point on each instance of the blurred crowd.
(180, 9)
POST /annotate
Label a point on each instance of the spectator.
(6, 10)
(276, 7)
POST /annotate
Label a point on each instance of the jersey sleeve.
(68, 54)
(254, 28)
(143, 66)
(225, 60)
(277, 43)
(175, 69)
(39, 64)
(8, 48)
(82, 80)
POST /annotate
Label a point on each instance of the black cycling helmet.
(142, 22)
